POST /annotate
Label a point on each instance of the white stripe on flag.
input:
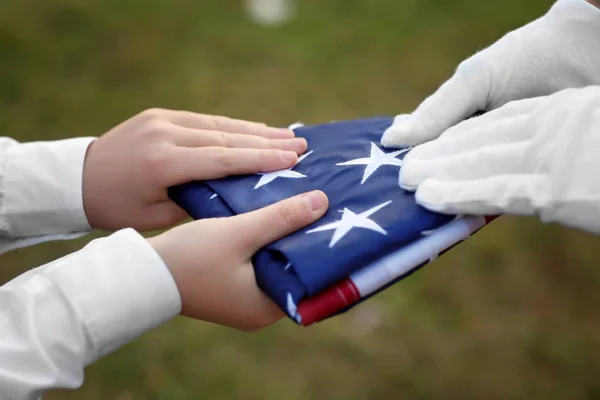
(385, 270)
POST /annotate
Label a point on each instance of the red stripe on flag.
(340, 296)
(328, 302)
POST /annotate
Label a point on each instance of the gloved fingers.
(503, 194)
(498, 132)
(458, 98)
(508, 112)
(484, 162)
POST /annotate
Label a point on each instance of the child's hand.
(210, 260)
(128, 170)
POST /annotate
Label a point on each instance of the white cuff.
(42, 188)
(8, 244)
(119, 286)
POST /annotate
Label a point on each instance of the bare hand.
(127, 171)
(210, 260)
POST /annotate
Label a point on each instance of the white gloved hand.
(557, 51)
(538, 156)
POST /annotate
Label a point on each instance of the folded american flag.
(373, 235)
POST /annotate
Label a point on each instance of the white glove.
(558, 51)
(538, 156)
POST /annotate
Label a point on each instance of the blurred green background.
(513, 313)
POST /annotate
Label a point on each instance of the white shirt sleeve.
(59, 318)
(41, 191)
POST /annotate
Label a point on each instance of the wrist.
(87, 200)
(156, 242)
(160, 245)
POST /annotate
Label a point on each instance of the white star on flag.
(283, 173)
(376, 159)
(352, 220)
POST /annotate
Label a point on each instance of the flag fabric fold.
(373, 235)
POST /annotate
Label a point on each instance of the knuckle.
(223, 158)
(153, 113)
(154, 123)
(265, 143)
(267, 157)
(216, 122)
(223, 139)
(223, 120)
(157, 128)
(220, 119)
(209, 123)
(290, 213)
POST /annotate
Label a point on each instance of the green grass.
(511, 314)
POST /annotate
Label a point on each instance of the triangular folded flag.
(373, 235)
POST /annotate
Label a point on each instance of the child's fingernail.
(315, 200)
(289, 156)
(299, 145)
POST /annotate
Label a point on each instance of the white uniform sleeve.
(41, 191)
(59, 318)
